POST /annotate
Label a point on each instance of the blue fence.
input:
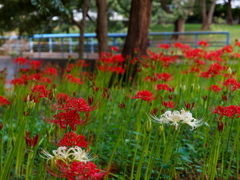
(69, 42)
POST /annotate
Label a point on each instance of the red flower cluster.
(70, 109)
(72, 139)
(20, 60)
(69, 118)
(144, 95)
(228, 111)
(163, 87)
(111, 63)
(35, 65)
(213, 70)
(73, 79)
(203, 43)
(215, 88)
(4, 101)
(231, 84)
(168, 104)
(164, 46)
(77, 170)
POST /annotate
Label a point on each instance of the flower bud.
(221, 125)
(182, 88)
(160, 130)
(148, 126)
(229, 70)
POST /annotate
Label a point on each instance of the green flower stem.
(143, 154)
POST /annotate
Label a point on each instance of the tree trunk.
(81, 26)
(211, 12)
(207, 18)
(179, 26)
(137, 36)
(102, 26)
(229, 12)
(205, 25)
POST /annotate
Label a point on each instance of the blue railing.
(69, 42)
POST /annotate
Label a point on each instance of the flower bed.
(178, 118)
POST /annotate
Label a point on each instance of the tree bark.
(137, 36)
(229, 12)
(139, 21)
(179, 26)
(102, 26)
(207, 17)
(85, 8)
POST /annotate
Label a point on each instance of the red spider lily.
(73, 79)
(163, 87)
(227, 49)
(77, 170)
(163, 76)
(35, 65)
(181, 46)
(118, 58)
(164, 46)
(213, 55)
(78, 104)
(4, 101)
(70, 118)
(20, 60)
(62, 98)
(41, 91)
(167, 60)
(31, 142)
(144, 95)
(73, 139)
(228, 111)
(82, 63)
(113, 48)
(213, 70)
(168, 104)
(231, 84)
(203, 43)
(215, 88)
(18, 81)
(50, 71)
(193, 53)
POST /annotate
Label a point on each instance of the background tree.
(137, 36)
(229, 11)
(102, 26)
(181, 10)
(207, 13)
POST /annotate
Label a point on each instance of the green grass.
(232, 29)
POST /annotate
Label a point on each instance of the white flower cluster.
(67, 154)
(176, 118)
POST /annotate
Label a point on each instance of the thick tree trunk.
(137, 38)
(102, 26)
(139, 21)
(81, 26)
(229, 12)
(205, 24)
(207, 18)
(179, 26)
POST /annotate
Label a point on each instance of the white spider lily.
(176, 118)
(68, 155)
